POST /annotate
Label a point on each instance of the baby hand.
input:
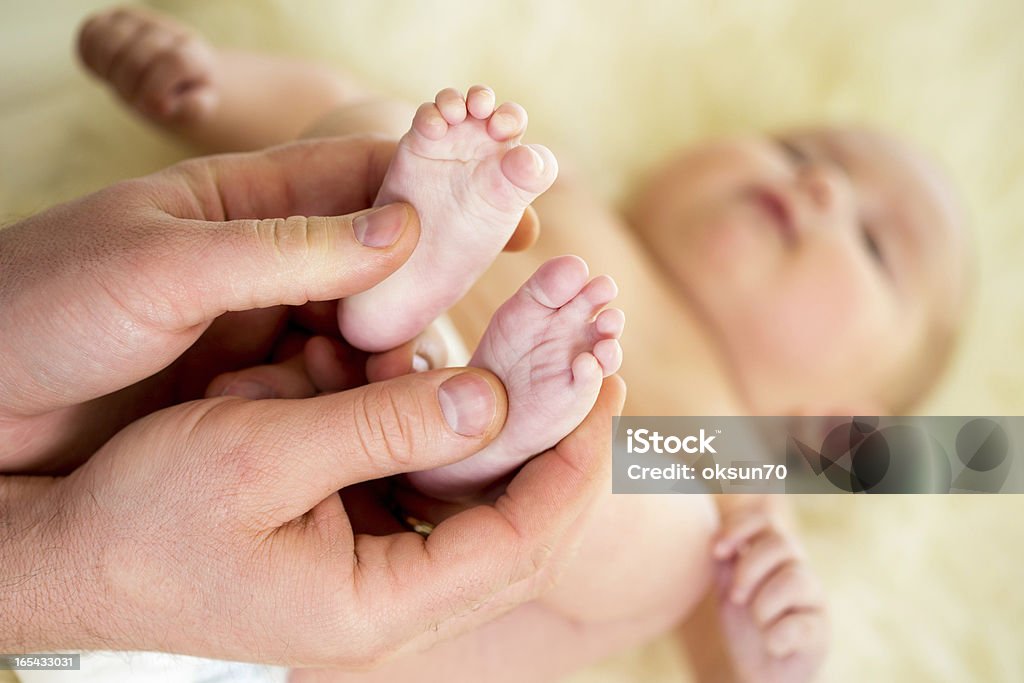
(771, 606)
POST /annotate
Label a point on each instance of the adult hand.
(215, 528)
(104, 293)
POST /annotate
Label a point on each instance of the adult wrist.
(46, 597)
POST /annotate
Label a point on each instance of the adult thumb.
(255, 263)
(310, 448)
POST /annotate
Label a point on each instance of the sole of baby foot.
(551, 345)
(462, 167)
(157, 66)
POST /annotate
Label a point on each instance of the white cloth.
(156, 667)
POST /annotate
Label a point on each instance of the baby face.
(824, 260)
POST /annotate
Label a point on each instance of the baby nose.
(826, 187)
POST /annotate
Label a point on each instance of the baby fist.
(771, 606)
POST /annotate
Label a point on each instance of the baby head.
(830, 264)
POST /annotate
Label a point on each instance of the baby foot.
(462, 167)
(771, 608)
(551, 347)
(156, 65)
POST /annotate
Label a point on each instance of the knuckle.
(387, 426)
(290, 238)
(242, 448)
(254, 456)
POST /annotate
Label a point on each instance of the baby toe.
(531, 168)
(172, 74)
(507, 122)
(592, 298)
(610, 323)
(106, 39)
(586, 370)
(557, 281)
(608, 353)
(480, 101)
(429, 122)
(127, 72)
(452, 106)
(196, 104)
(598, 293)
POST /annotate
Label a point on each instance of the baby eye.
(871, 244)
(796, 155)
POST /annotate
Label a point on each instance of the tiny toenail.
(538, 160)
(420, 363)
(506, 122)
(467, 403)
(247, 388)
(381, 227)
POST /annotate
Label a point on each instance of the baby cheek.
(820, 324)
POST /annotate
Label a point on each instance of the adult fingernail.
(381, 227)
(468, 404)
(247, 388)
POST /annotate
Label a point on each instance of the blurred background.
(923, 588)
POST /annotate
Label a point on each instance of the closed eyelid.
(873, 244)
(793, 151)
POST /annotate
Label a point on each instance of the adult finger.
(155, 260)
(255, 263)
(284, 226)
(526, 233)
(415, 422)
(334, 365)
(287, 379)
(322, 177)
(318, 365)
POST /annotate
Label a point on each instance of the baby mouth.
(778, 210)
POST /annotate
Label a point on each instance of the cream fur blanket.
(923, 589)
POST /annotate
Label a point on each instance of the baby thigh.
(643, 558)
